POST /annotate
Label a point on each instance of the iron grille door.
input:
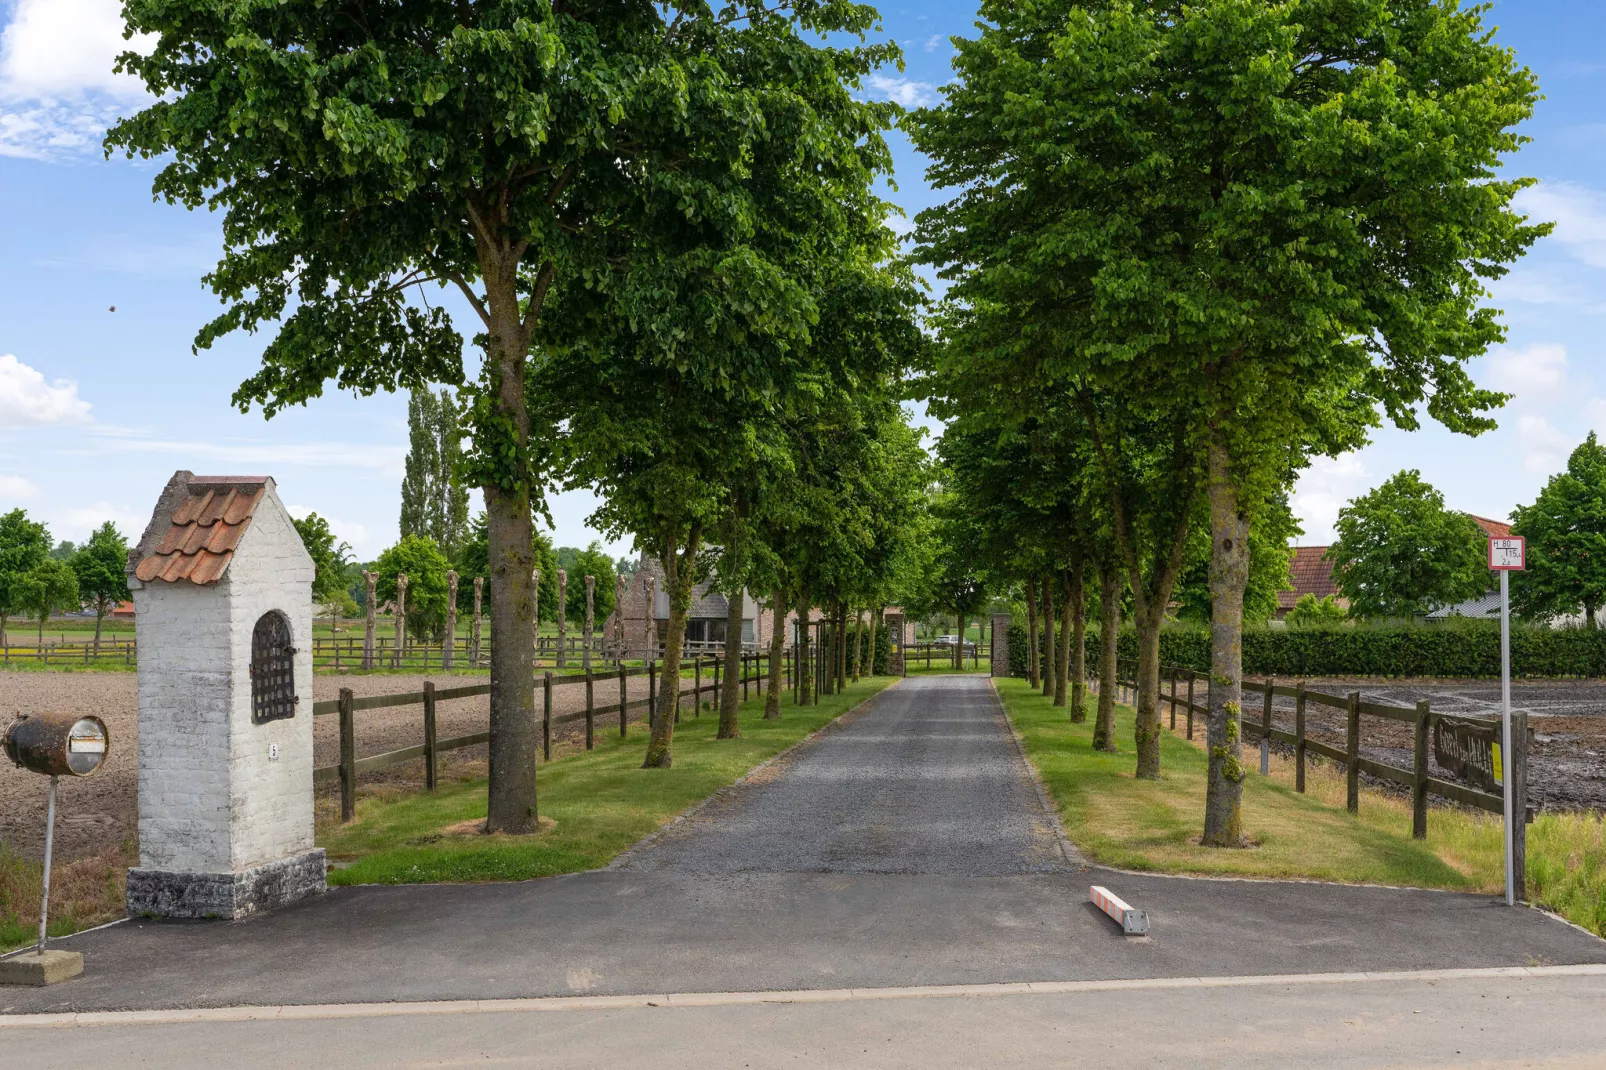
(273, 676)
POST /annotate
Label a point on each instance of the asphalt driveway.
(905, 845)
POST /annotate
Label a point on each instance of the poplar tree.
(434, 500)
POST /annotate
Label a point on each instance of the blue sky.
(97, 408)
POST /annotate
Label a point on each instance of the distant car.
(953, 640)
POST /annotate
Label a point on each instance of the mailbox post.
(53, 745)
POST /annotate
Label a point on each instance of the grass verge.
(83, 893)
(601, 801)
(1150, 826)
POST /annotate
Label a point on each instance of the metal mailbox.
(57, 744)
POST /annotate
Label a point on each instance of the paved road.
(868, 895)
(931, 782)
(1485, 1022)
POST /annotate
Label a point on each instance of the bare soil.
(1567, 763)
(101, 813)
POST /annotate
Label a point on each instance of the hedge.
(1457, 650)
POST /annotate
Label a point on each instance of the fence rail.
(941, 655)
(69, 652)
(754, 669)
(1452, 736)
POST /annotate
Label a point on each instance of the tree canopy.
(1565, 529)
(1401, 553)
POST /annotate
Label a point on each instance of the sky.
(99, 407)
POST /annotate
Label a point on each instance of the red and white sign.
(1507, 554)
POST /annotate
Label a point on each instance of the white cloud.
(384, 458)
(935, 41)
(58, 89)
(26, 400)
(1578, 212)
(1325, 488)
(347, 531)
(15, 488)
(1537, 285)
(909, 93)
(1544, 448)
(1595, 410)
(65, 48)
(77, 522)
(1535, 373)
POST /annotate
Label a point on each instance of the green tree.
(1286, 211)
(426, 569)
(1401, 553)
(23, 544)
(1311, 612)
(64, 550)
(513, 149)
(100, 565)
(331, 556)
(46, 588)
(473, 559)
(1270, 560)
(579, 564)
(1565, 529)
(434, 501)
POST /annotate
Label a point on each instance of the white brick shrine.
(222, 590)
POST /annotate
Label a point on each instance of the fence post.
(1191, 675)
(652, 693)
(624, 701)
(1352, 751)
(430, 755)
(719, 693)
(1265, 728)
(546, 715)
(1299, 739)
(744, 677)
(1419, 775)
(448, 652)
(697, 686)
(1519, 803)
(590, 712)
(348, 756)
(1173, 698)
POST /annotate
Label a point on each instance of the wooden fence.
(70, 652)
(754, 669)
(1461, 745)
(346, 652)
(941, 655)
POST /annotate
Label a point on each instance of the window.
(273, 675)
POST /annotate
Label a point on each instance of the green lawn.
(1154, 826)
(601, 801)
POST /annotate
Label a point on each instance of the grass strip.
(601, 801)
(1154, 826)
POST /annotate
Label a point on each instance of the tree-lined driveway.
(905, 845)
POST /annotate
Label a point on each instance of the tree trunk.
(959, 647)
(100, 615)
(1589, 615)
(1109, 636)
(1076, 596)
(876, 630)
(730, 698)
(515, 739)
(842, 646)
(858, 643)
(679, 571)
(42, 618)
(1032, 676)
(1048, 635)
(772, 697)
(805, 671)
(1146, 731)
(1062, 666)
(1229, 574)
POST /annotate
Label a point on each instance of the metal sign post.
(1505, 557)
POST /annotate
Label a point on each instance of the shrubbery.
(1451, 650)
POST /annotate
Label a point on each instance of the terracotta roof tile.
(1495, 529)
(206, 527)
(1311, 573)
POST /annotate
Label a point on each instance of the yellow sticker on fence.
(1499, 777)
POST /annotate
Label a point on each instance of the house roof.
(1311, 573)
(206, 516)
(1495, 529)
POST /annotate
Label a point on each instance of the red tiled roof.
(205, 528)
(1311, 573)
(1495, 529)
